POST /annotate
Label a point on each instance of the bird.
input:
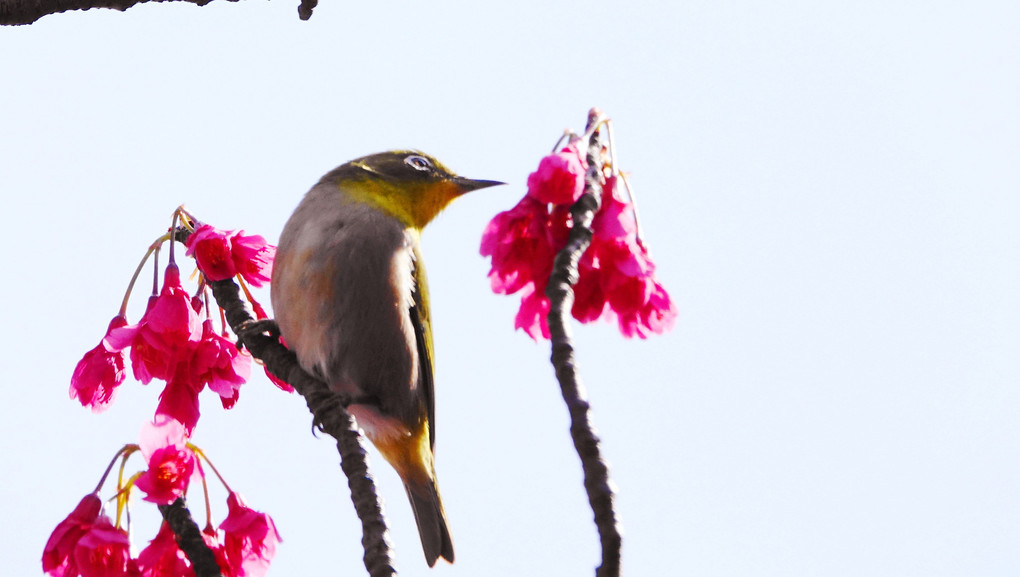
(351, 300)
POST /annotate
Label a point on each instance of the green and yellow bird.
(351, 300)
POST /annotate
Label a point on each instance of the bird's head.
(410, 185)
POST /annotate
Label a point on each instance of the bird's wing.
(423, 335)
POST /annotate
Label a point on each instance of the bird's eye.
(418, 162)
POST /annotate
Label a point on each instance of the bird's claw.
(265, 328)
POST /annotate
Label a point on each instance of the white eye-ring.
(418, 162)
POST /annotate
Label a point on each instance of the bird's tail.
(411, 456)
(428, 513)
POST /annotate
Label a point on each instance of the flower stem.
(615, 171)
(201, 454)
(173, 229)
(612, 147)
(633, 208)
(188, 220)
(123, 492)
(203, 290)
(205, 492)
(567, 134)
(153, 248)
(155, 272)
(223, 323)
(126, 450)
(244, 287)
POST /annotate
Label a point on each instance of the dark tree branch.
(306, 7)
(189, 539)
(262, 339)
(561, 296)
(16, 12)
(20, 12)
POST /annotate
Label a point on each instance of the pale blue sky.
(831, 193)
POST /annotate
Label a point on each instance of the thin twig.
(561, 295)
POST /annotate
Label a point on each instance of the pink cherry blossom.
(99, 373)
(171, 462)
(103, 551)
(211, 248)
(217, 363)
(58, 555)
(174, 316)
(142, 354)
(162, 557)
(222, 254)
(615, 219)
(179, 400)
(625, 275)
(253, 258)
(559, 178)
(162, 337)
(656, 315)
(616, 275)
(533, 315)
(250, 538)
(521, 246)
(589, 300)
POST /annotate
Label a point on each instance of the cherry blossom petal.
(253, 258)
(559, 178)
(103, 551)
(250, 538)
(213, 252)
(99, 373)
(58, 555)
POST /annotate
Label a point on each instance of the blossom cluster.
(89, 544)
(176, 340)
(223, 254)
(616, 273)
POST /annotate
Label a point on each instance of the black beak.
(467, 184)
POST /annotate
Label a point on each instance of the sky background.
(831, 194)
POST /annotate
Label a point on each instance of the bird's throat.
(413, 204)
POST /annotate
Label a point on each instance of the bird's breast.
(342, 287)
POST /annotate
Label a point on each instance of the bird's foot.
(255, 330)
